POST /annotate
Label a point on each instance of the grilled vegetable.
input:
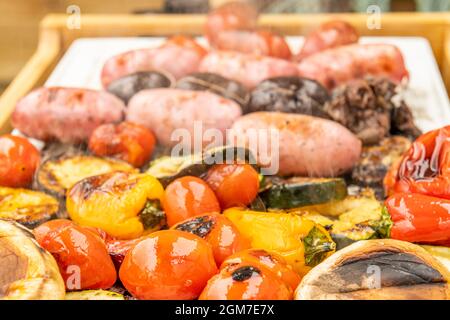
(94, 295)
(297, 192)
(55, 176)
(377, 269)
(166, 169)
(357, 217)
(118, 203)
(442, 254)
(27, 207)
(302, 242)
(27, 272)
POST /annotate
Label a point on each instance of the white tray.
(426, 94)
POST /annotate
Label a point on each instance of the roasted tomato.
(127, 141)
(168, 264)
(218, 231)
(246, 282)
(125, 205)
(234, 184)
(186, 42)
(230, 16)
(81, 255)
(188, 197)
(18, 161)
(265, 259)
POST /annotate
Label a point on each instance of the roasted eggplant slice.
(442, 254)
(298, 192)
(55, 176)
(166, 169)
(27, 271)
(27, 207)
(377, 269)
(94, 295)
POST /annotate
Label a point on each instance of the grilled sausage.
(68, 115)
(307, 146)
(247, 68)
(343, 64)
(164, 110)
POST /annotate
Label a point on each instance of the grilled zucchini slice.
(55, 176)
(94, 295)
(298, 192)
(357, 217)
(27, 271)
(166, 169)
(27, 207)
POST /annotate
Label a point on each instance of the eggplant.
(298, 192)
(382, 269)
(291, 95)
(27, 271)
(56, 176)
(94, 295)
(167, 168)
(127, 86)
(217, 84)
(27, 207)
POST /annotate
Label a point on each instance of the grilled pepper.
(419, 218)
(123, 204)
(302, 242)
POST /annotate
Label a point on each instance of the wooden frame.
(55, 38)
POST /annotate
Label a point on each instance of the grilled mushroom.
(377, 269)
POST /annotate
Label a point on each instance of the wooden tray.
(55, 38)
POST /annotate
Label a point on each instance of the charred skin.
(27, 207)
(405, 270)
(126, 194)
(27, 272)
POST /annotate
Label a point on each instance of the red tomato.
(230, 16)
(234, 184)
(246, 282)
(168, 264)
(81, 255)
(186, 42)
(269, 260)
(127, 141)
(218, 231)
(188, 197)
(19, 160)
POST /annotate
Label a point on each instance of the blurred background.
(20, 18)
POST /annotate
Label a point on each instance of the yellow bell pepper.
(125, 205)
(302, 242)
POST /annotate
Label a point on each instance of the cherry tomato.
(81, 255)
(19, 160)
(246, 282)
(218, 231)
(186, 42)
(127, 141)
(230, 16)
(188, 197)
(234, 184)
(269, 260)
(168, 264)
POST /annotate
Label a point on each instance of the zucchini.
(167, 168)
(94, 295)
(298, 192)
(27, 271)
(357, 217)
(56, 176)
(27, 207)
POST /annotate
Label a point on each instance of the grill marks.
(200, 226)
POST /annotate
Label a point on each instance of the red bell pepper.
(419, 218)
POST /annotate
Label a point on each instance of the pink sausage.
(340, 65)
(249, 69)
(164, 110)
(67, 115)
(306, 145)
